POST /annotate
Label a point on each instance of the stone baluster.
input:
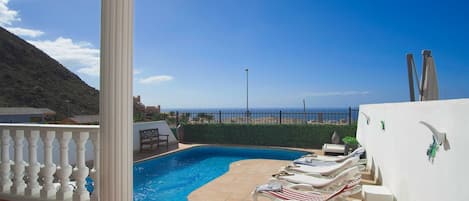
(5, 181)
(33, 187)
(47, 172)
(80, 172)
(18, 167)
(65, 170)
(94, 171)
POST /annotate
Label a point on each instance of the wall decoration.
(439, 139)
(366, 117)
(383, 126)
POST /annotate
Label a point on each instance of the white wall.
(399, 152)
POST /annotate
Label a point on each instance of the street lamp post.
(247, 95)
(247, 90)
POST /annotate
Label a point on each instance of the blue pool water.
(173, 177)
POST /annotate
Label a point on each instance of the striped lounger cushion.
(287, 194)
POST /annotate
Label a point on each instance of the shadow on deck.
(148, 153)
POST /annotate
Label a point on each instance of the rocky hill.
(31, 78)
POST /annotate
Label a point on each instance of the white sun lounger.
(301, 192)
(327, 170)
(315, 160)
(346, 176)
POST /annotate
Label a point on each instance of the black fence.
(345, 117)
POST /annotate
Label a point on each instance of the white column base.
(48, 194)
(5, 188)
(83, 196)
(32, 192)
(18, 190)
(61, 195)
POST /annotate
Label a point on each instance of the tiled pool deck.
(238, 183)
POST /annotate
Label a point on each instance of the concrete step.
(354, 199)
(367, 175)
(368, 182)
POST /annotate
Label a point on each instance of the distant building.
(139, 107)
(25, 115)
(142, 112)
(152, 110)
(82, 119)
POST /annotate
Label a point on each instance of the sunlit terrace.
(407, 149)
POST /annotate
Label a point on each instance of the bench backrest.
(149, 134)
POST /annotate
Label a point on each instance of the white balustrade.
(64, 171)
(33, 181)
(18, 167)
(5, 182)
(47, 171)
(94, 171)
(34, 166)
(81, 171)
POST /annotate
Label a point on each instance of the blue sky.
(191, 54)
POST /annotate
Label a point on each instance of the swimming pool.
(174, 176)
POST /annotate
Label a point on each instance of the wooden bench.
(151, 137)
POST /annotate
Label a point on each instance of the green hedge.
(304, 136)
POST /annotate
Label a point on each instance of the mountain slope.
(29, 77)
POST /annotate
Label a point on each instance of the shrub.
(350, 140)
(304, 136)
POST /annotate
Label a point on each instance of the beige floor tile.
(240, 180)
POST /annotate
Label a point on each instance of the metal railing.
(346, 117)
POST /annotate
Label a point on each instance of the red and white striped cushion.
(287, 194)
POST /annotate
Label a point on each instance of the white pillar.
(33, 168)
(116, 113)
(47, 172)
(5, 181)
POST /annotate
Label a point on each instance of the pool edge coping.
(190, 146)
